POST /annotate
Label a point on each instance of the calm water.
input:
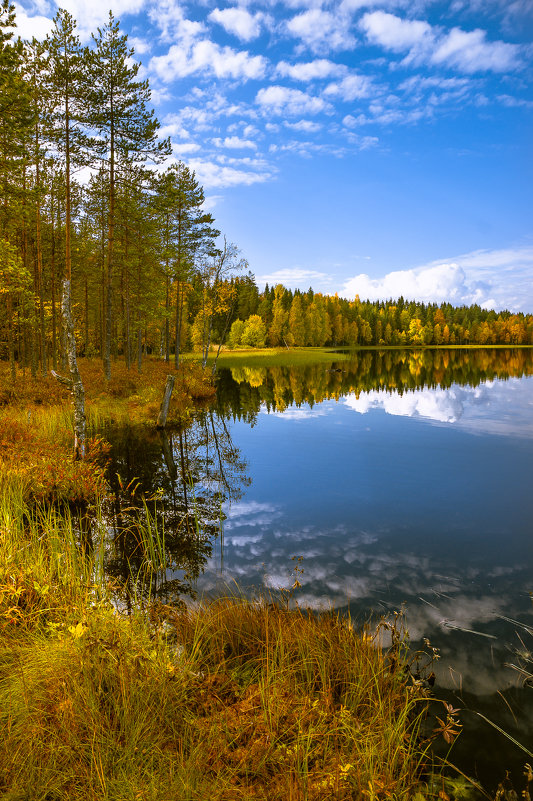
(400, 478)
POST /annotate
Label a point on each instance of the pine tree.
(127, 129)
(188, 236)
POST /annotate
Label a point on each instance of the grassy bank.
(36, 423)
(232, 699)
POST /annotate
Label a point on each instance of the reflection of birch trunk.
(77, 389)
(219, 456)
(184, 471)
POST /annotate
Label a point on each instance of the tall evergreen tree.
(128, 131)
(188, 235)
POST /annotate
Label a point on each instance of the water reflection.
(243, 391)
(171, 486)
(400, 477)
(422, 497)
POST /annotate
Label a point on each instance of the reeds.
(233, 699)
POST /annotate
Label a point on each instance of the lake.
(400, 478)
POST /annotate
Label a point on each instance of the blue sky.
(378, 147)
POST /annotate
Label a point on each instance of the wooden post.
(165, 403)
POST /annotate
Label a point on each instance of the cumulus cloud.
(168, 16)
(351, 87)
(239, 22)
(394, 33)
(482, 409)
(469, 51)
(90, 16)
(321, 30)
(210, 58)
(250, 514)
(499, 279)
(318, 69)
(305, 126)
(235, 143)
(444, 282)
(217, 176)
(282, 100)
(37, 26)
(442, 405)
(181, 149)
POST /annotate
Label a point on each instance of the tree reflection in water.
(179, 482)
(243, 390)
(165, 508)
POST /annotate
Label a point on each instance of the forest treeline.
(105, 252)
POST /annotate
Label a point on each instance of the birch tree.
(69, 90)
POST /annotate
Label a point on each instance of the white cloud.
(443, 282)
(491, 278)
(90, 16)
(298, 414)
(217, 176)
(394, 33)
(321, 30)
(211, 201)
(468, 51)
(305, 126)
(141, 46)
(514, 102)
(419, 83)
(281, 100)
(209, 58)
(481, 409)
(30, 26)
(351, 87)
(238, 21)
(235, 143)
(250, 513)
(306, 149)
(318, 69)
(442, 405)
(172, 126)
(168, 16)
(180, 149)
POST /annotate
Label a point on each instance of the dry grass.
(36, 424)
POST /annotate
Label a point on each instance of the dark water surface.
(399, 478)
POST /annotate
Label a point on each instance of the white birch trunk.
(77, 389)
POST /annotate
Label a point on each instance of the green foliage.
(254, 332)
(235, 334)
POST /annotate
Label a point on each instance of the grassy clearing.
(280, 357)
(234, 699)
(129, 395)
